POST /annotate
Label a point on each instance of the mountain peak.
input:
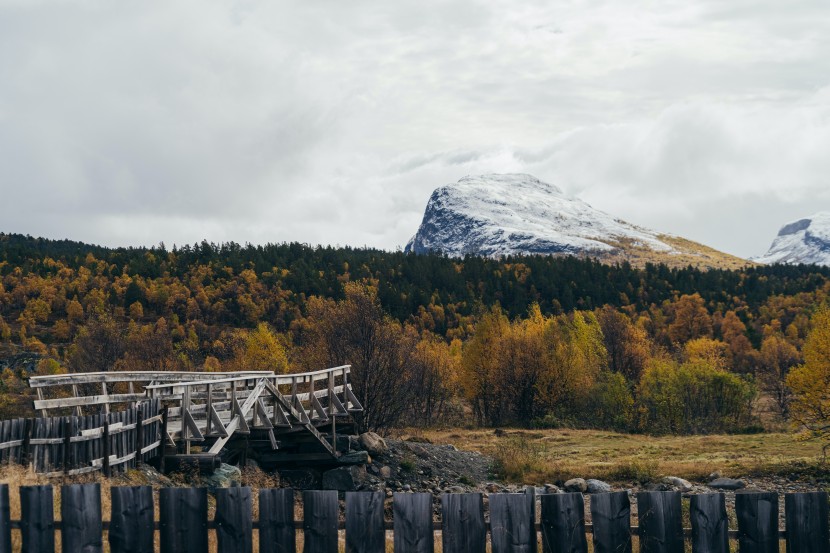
(803, 241)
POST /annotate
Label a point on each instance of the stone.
(550, 488)
(455, 489)
(223, 477)
(727, 484)
(373, 443)
(492, 487)
(576, 485)
(354, 458)
(715, 475)
(385, 472)
(344, 479)
(301, 479)
(679, 483)
(597, 486)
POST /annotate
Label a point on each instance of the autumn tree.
(98, 345)
(260, 349)
(481, 364)
(776, 359)
(691, 320)
(627, 345)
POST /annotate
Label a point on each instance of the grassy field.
(531, 456)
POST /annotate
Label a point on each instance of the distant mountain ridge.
(803, 241)
(513, 214)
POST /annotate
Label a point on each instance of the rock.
(301, 479)
(223, 477)
(715, 475)
(550, 488)
(597, 486)
(727, 484)
(344, 479)
(373, 443)
(354, 458)
(385, 472)
(455, 489)
(576, 485)
(679, 483)
(418, 450)
(492, 487)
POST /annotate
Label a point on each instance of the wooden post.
(462, 521)
(412, 516)
(611, 513)
(37, 519)
(710, 527)
(365, 532)
(5, 520)
(164, 438)
(139, 435)
(563, 523)
(67, 444)
(757, 521)
(106, 444)
(234, 520)
(183, 515)
(26, 450)
(81, 526)
(132, 526)
(277, 533)
(806, 519)
(661, 522)
(332, 413)
(512, 527)
(320, 521)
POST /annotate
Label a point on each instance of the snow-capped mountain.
(803, 241)
(498, 215)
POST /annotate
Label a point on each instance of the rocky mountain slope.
(508, 214)
(803, 241)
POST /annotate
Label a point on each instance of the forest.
(530, 340)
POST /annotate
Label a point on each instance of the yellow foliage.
(810, 382)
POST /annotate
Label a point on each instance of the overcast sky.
(135, 122)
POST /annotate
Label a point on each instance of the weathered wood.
(5, 520)
(806, 521)
(512, 528)
(660, 522)
(234, 520)
(757, 514)
(710, 527)
(81, 526)
(131, 528)
(412, 516)
(611, 516)
(37, 519)
(277, 532)
(365, 532)
(563, 523)
(183, 515)
(462, 523)
(320, 521)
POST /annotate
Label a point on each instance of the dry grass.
(539, 456)
(686, 253)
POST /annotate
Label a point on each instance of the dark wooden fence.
(183, 523)
(79, 444)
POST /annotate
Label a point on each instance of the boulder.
(344, 479)
(679, 483)
(576, 485)
(385, 472)
(354, 458)
(597, 486)
(373, 443)
(223, 477)
(301, 479)
(727, 484)
(549, 488)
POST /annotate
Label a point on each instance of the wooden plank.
(320, 521)
(563, 523)
(132, 528)
(412, 519)
(277, 532)
(660, 522)
(710, 527)
(5, 520)
(365, 531)
(81, 526)
(611, 516)
(462, 522)
(234, 520)
(806, 520)
(37, 519)
(183, 515)
(512, 528)
(757, 521)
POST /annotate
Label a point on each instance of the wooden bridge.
(286, 418)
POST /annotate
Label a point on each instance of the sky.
(329, 122)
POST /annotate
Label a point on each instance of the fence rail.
(510, 522)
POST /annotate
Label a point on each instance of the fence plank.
(320, 521)
(512, 528)
(412, 521)
(365, 532)
(276, 521)
(132, 528)
(806, 520)
(81, 526)
(183, 515)
(462, 523)
(5, 522)
(757, 514)
(660, 522)
(563, 523)
(37, 519)
(234, 520)
(611, 515)
(710, 527)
